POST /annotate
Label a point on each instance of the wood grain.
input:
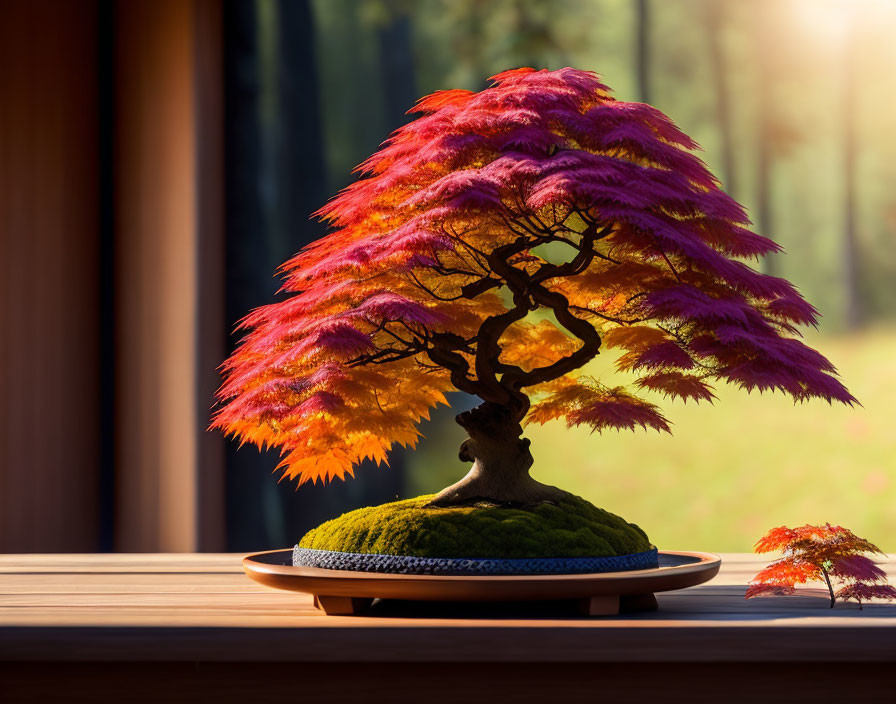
(142, 608)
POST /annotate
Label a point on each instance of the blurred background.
(160, 158)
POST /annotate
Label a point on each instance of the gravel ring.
(402, 564)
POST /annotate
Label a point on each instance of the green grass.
(730, 470)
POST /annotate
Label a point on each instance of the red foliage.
(818, 553)
(436, 260)
(861, 591)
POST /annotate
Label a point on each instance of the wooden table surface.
(93, 610)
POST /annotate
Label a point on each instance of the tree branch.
(490, 379)
(444, 353)
(581, 261)
(582, 329)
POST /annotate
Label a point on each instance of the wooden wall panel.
(49, 419)
(168, 200)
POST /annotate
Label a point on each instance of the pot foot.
(341, 605)
(605, 605)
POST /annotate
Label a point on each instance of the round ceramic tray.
(604, 593)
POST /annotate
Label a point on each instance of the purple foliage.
(618, 414)
(391, 306)
(685, 302)
(663, 355)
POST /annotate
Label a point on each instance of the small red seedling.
(820, 553)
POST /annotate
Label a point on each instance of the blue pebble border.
(401, 564)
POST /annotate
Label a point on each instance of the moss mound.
(570, 528)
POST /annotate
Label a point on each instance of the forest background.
(794, 104)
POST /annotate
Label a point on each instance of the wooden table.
(188, 627)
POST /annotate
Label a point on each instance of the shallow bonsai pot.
(344, 592)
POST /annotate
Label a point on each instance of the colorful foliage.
(437, 259)
(817, 553)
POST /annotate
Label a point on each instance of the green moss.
(571, 528)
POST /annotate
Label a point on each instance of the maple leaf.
(820, 552)
(678, 385)
(444, 247)
(585, 401)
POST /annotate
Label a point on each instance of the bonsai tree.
(495, 246)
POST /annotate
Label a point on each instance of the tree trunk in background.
(532, 41)
(642, 49)
(715, 22)
(474, 30)
(853, 313)
(250, 508)
(349, 54)
(764, 108)
(763, 188)
(275, 180)
(299, 168)
(397, 65)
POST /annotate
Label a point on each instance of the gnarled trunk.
(501, 462)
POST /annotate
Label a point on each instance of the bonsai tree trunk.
(501, 462)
